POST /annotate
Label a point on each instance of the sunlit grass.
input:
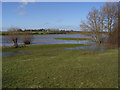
(52, 66)
(73, 38)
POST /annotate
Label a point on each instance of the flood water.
(13, 53)
(49, 39)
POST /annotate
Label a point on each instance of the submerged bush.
(27, 38)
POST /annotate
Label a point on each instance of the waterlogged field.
(52, 66)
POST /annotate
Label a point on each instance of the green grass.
(63, 69)
(74, 38)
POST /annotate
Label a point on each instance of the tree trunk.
(15, 43)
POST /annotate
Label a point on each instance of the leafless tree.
(110, 10)
(101, 20)
(13, 35)
(16, 34)
(93, 24)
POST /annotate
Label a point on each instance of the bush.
(27, 37)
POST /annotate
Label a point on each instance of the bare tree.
(110, 10)
(13, 35)
(101, 20)
(16, 34)
(93, 24)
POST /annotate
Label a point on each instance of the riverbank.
(52, 66)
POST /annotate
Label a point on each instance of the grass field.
(74, 38)
(51, 66)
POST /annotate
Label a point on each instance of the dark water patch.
(49, 55)
(20, 52)
(6, 54)
(95, 47)
(88, 48)
(75, 48)
(90, 53)
(13, 53)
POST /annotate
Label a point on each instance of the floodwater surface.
(49, 39)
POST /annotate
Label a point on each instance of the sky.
(53, 15)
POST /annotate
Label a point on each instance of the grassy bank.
(53, 66)
(73, 38)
